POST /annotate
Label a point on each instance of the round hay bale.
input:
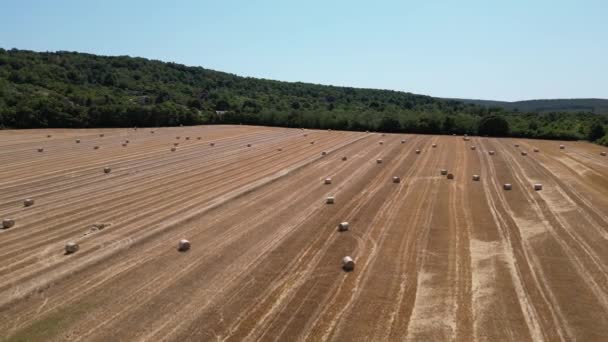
(516, 145)
(124, 144)
(305, 134)
(151, 132)
(173, 149)
(8, 223)
(312, 142)
(562, 147)
(603, 154)
(248, 145)
(378, 161)
(343, 226)
(178, 137)
(444, 172)
(476, 178)
(279, 149)
(127, 141)
(187, 138)
(417, 151)
(323, 153)
(211, 144)
(538, 187)
(450, 176)
(183, 245)
(101, 135)
(330, 200)
(403, 141)
(473, 148)
(107, 169)
(507, 186)
(71, 247)
(344, 158)
(96, 147)
(348, 264)
(40, 149)
(28, 202)
(48, 136)
(198, 138)
(524, 153)
(536, 150)
(396, 179)
(434, 145)
(381, 142)
(78, 141)
(327, 181)
(175, 144)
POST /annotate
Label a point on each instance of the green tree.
(493, 126)
(596, 131)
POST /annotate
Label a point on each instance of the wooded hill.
(599, 106)
(68, 89)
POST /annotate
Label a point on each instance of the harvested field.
(435, 260)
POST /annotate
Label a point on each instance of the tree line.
(68, 89)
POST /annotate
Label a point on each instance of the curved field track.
(436, 259)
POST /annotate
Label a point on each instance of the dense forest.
(599, 106)
(68, 89)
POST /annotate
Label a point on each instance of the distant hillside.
(598, 106)
(70, 89)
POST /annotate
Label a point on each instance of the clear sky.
(488, 49)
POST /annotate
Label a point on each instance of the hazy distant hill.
(599, 106)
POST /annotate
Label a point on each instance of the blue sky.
(502, 50)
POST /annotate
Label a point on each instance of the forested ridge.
(599, 106)
(69, 89)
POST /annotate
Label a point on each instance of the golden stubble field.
(436, 259)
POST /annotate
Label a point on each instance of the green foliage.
(66, 89)
(596, 131)
(493, 126)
